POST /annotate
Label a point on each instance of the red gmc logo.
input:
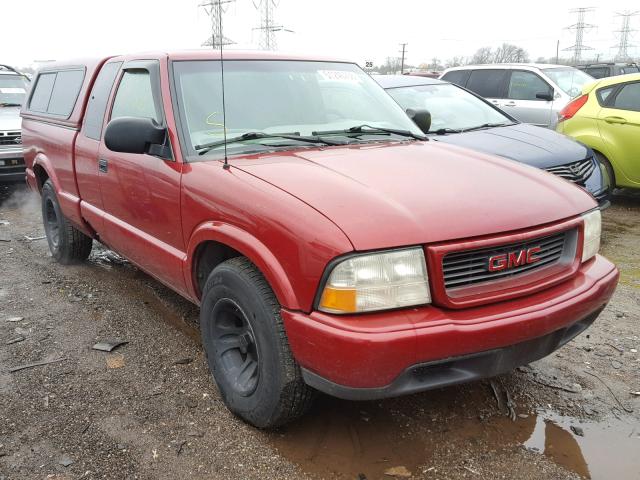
(505, 261)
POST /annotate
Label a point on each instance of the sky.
(357, 30)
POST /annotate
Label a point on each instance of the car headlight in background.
(592, 232)
(377, 281)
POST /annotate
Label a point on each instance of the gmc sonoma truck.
(329, 245)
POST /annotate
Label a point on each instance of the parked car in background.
(532, 93)
(13, 89)
(329, 246)
(463, 118)
(607, 118)
(602, 70)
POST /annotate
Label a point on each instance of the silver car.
(532, 93)
(13, 89)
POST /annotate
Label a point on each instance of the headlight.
(377, 281)
(592, 231)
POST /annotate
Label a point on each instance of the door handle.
(619, 120)
(103, 165)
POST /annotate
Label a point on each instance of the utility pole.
(267, 27)
(557, 51)
(625, 35)
(215, 9)
(580, 26)
(403, 51)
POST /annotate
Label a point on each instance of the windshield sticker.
(12, 90)
(339, 76)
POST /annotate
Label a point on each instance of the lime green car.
(606, 117)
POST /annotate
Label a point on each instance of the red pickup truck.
(329, 245)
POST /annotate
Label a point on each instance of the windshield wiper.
(487, 125)
(443, 131)
(369, 130)
(9, 104)
(204, 148)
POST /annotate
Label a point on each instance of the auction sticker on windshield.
(339, 76)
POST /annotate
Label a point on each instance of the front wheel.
(247, 348)
(609, 168)
(67, 244)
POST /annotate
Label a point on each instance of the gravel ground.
(149, 410)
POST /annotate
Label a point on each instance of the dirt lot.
(149, 410)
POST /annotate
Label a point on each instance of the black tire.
(609, 168)
(68, 245)
(247, 348)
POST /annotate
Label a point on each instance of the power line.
(580, 26)
(267, 27)
(403, 51)
(215, 9)
(625, 35)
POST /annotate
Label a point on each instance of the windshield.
(13, 89)
(451, 107)
(570, 80)
(275, 97)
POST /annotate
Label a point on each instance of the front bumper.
(12, 167)
(405, 351)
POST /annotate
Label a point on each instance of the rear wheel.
(67, 244)
(247, 348)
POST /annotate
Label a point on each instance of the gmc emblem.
(505, 261)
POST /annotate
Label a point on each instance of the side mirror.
(422, 118)
(548, 96)
(133, 135)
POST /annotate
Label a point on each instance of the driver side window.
(526, 85)
(135, 97)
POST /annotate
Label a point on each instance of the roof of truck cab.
(395, 81)
(210, 54)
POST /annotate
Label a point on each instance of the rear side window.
(135, 97)
(65, 92)
(598, 72)
(56, 93)
(629, 69)
(98, 100)
(628, 98)
(459, 77)
(526, 85)
(604, 93)
(487, 83)
(42, 92)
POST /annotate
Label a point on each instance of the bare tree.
(482, 55)
(508, 53)
(455, 62)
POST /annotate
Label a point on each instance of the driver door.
(141, 192)
(522, 99)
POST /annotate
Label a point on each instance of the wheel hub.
(235, 347)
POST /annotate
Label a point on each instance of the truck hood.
(535, 146)
(395, 194)
(10, 118)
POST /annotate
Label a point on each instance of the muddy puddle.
(342, 439)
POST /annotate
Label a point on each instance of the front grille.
(576, 172)
(462, 269)
(10, 138)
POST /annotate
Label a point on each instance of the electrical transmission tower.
(580, 26)
(625, 35)
(215, 9)
(268, 27)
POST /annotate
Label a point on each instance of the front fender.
(250, 247)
